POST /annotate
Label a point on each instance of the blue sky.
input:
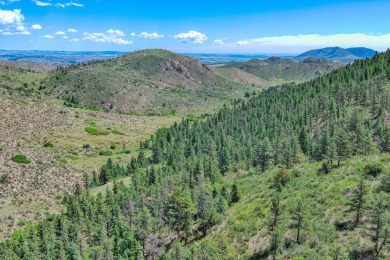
(203, 26)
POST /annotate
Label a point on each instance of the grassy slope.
(19, 82)
(280, 69)
(149, 81)
(325, 195)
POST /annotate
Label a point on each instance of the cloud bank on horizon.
(265, 28)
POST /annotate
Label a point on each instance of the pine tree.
(358, 199)
(235, 196)
(263, 155)
(380, 217)
(180, 211)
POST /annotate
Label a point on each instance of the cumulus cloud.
(59, 33)
(110, 36)
(65, 37)
(191, 37)
(219, 42)
(74, 40)
(11, 17)
(71, 30)
(151, 35)
(132, 34)
(47, 36)
(378, 41)
(12, 22)
(36, 27)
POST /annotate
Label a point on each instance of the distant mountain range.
(64, 58)
(338, 54)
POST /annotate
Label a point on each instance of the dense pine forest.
(181, 187)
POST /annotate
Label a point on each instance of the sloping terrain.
(16, 81)
(298, 171)
(149, 82)
(28, 65)
(338, 54)
(285, 69)
(54, 140)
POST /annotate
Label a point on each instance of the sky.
(201, 26)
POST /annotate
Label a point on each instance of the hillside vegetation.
(153, 82)
(285, 69)
(302, 144)
(19, 82)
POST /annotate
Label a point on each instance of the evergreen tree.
(358, 199)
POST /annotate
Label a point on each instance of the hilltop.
(144, 82)
(338, 54)
(285, 69)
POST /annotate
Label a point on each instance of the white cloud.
(150, 35)
(59, 33)
(241, 43)
(72, 30)
(132, 34)
(12, 22)
(8, 2)
(220, 42)
(63, 5)
(376, 41)
(74, 4)
(110, 36)
(36, 27)
(191, 37)
(11, 17)
(40, 3)
(65, 37)
(74, 40)
(47, 36)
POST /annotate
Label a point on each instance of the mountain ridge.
(338, 54)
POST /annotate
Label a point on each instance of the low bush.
(20, 159)
(373, 169)
(94, 131)
(106, 153)
(4, 178)
(117, 132)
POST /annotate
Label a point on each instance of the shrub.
(384, 184)
(117, 132)
(94, 131)
(63, 161)
(373, 169)
(106, 153)
(48, 144)
(20, 159)
(283, 176)
(113, 146)
(4, 178)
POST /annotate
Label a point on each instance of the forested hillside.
(193, 180)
